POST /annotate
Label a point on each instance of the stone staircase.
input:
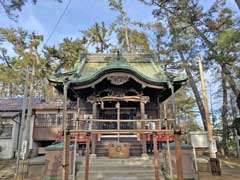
(103, 168)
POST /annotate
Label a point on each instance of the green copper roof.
(58, 146)
(90, 67)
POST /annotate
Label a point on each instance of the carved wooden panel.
(118, 79)
(119, 150)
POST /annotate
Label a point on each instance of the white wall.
(6, 148)
(9, 145)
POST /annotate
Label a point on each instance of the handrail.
(115, 131)
(127, 120)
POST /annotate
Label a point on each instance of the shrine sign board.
(119, 150)
(199, 139)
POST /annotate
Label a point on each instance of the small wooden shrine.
(119, 92)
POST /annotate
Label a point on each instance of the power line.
(59, 20)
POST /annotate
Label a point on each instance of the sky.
(80, 15)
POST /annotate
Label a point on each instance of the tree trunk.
(29, 109)
(238, 3)
(233, 106)
(224, 113)
(158, 47)
(231, 82)
(3, 90)
(202, 35)
(35, 60)
(126, 35)
(43, 88)
(195, 90)
(10, 90)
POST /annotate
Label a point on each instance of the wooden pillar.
(144, 146)
(93, 135)
(177, 133)
(158, 123)
(86, 172)
(75, 140)
(66, 138)
(118, 119)
(156, 164)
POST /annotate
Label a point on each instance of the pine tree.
(122, 22)
(11, 6)
(96, 35)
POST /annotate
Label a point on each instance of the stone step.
(119, 159)
(126, 164)
(119, 168)
(120, 171)
(119, 175)
(130, 177)
(110, 162)
(132, 147)
(103, 168)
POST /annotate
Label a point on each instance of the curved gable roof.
(91, 67)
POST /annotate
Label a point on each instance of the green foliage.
(96, 35)
(214, 32)
(236, 124)
(122, 18)
(185, 110)
(138, 41)
(65, 53)
(122, 21)
(25, 56)
(11, 6)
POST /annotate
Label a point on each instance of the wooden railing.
(159, 123)
(99, 123)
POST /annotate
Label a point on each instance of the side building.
(46, 124)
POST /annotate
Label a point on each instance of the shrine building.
(118, 92)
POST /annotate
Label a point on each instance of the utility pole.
(211, 104)
(22, 123)
(205, 102)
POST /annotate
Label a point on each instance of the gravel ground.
(7, 168)
(230, 171)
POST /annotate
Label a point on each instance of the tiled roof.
(143, 65)
(48, 105)
(8, 114)
(15, 105)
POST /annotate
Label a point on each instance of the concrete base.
(93, 156)
(144, 156)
